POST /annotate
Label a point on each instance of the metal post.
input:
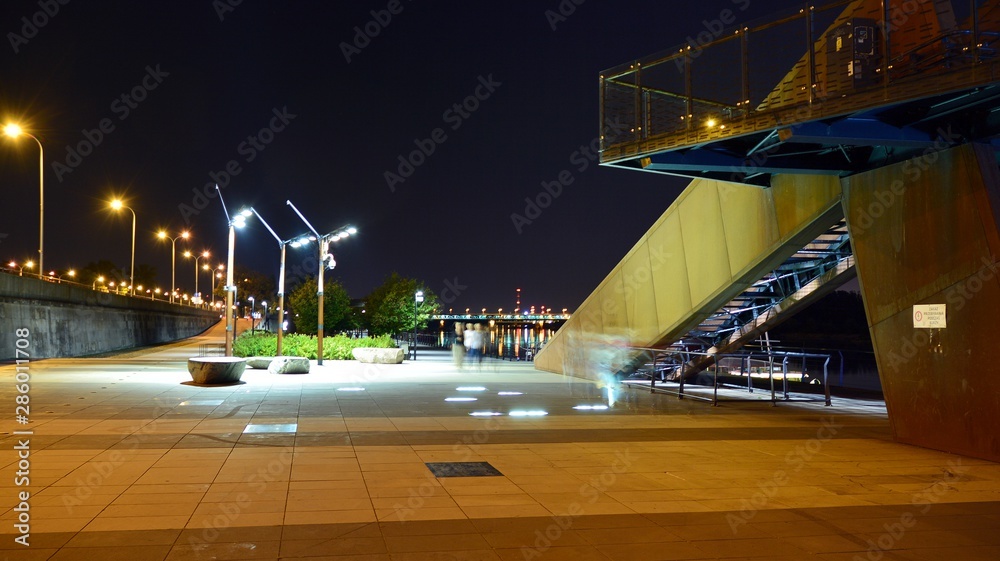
(281, 299)
(715, 382)
(812, 54)
(826, 386)
(652, 375)
(230, 291)
(886, 39)
(680, 393)
(688, 94)
(784, 376)
(770, 375)
(131, 273)
(323, 244)
(975, 32)
(638, 102)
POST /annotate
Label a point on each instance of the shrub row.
(337, 347)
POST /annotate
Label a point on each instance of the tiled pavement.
(128, 462)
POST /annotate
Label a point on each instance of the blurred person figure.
(458, 348)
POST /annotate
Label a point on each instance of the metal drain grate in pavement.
(462, 469)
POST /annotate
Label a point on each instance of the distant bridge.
(505, 318)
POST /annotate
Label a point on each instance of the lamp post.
(14, 131)
(325, 260)
(173, 257)
(238, 221)
(196, 258)
(295, 242)
(252, 309)
(417, 299)
(263, 324)
(118, 205)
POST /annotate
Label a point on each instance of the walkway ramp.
(723, 262)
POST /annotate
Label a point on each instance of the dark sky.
(207, 83)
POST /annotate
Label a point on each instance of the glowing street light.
(173, 257)
(418, 298)
(20, 268)
(118, 205)
(325, 261)
(295, 242)
(196, 258)
(12, 130)
(238, 221)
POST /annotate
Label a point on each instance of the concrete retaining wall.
(65, 320)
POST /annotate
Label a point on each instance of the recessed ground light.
(591, 407)
(350, 389)
(528, 413)
(485, 413)
(471, 389)
(460, 399)
(510, 393)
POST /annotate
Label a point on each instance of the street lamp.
(20, 268)
(14, 131)
(325, 261)
(238, 221)
(173, 257)
(295, 242)
(263, 324)
(196, 258)
(417, 299)
(118, 205)
(252, 308)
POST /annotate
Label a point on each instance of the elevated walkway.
(886, 127)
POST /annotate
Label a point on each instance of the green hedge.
(337, 347)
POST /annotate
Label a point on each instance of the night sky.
(266, 89)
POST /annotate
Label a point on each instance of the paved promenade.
(128, 461)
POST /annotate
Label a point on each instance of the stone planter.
(378, 356)
(216, 370)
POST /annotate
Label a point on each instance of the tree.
(145, 275)
(390, 306)
(252, 283)
(305, 305)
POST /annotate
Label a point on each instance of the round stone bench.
(216, 370)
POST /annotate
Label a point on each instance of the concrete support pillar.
(927, 231)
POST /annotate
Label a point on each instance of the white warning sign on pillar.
(930, 316)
